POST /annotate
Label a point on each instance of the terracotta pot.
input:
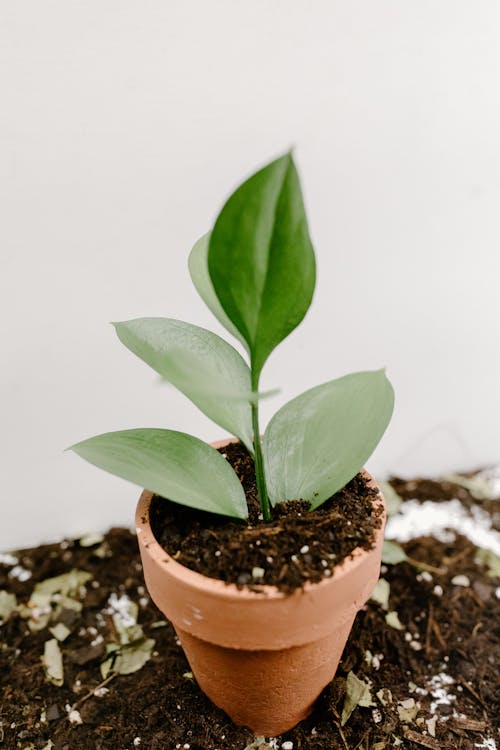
(262, 657)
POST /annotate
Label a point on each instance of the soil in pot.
(295, 547)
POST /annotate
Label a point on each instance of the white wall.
(125, 124)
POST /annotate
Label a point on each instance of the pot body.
(262, 657)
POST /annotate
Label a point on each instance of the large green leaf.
(198, 268)
(317, 442)
(172, 464)
(207, 369)
(261, 260)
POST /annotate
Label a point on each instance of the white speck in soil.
(487, 744)
(424, 576)
(438, 590)
(461, 580)
(217, 553)
(304, 550)
(288, 745)
(6, 559)
(258, 573)
(20, 573)
(74, 717)
(438, 687)
(121, 606)
(101, 692)
(442, 520)
(137, 741)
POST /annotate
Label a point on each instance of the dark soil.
(434, 684)
(298, 545)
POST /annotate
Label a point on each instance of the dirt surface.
(430, 671)
(298, 545)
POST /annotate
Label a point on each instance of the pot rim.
(230, 591)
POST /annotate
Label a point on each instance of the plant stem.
(259, 465)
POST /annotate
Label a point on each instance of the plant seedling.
(256, 272)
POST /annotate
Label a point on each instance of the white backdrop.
(124, 126)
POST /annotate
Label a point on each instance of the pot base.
(254, 687)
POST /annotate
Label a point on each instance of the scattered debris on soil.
(420, 669)
(297, 546)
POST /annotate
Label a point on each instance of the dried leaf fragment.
(89, 540)
(381, 592)
(392, 619)
(128, 658)
(407, 710)
(60, 631)
(385, 696)
(357, 694)
(259, 743)
(392, 499)
(67, 584)
(53, 662)
(478, 487)
(431, 725)
(392, 553)
(8, 605)
(488, 558)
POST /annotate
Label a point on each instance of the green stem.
(259, 463)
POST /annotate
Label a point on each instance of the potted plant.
(262, 644)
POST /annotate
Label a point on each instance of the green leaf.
(175, 465)
(317, 442)
(198, 269)
(261, 260)
(208, 370)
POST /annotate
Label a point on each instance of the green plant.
(256, 272)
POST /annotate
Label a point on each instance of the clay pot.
(262, 657)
